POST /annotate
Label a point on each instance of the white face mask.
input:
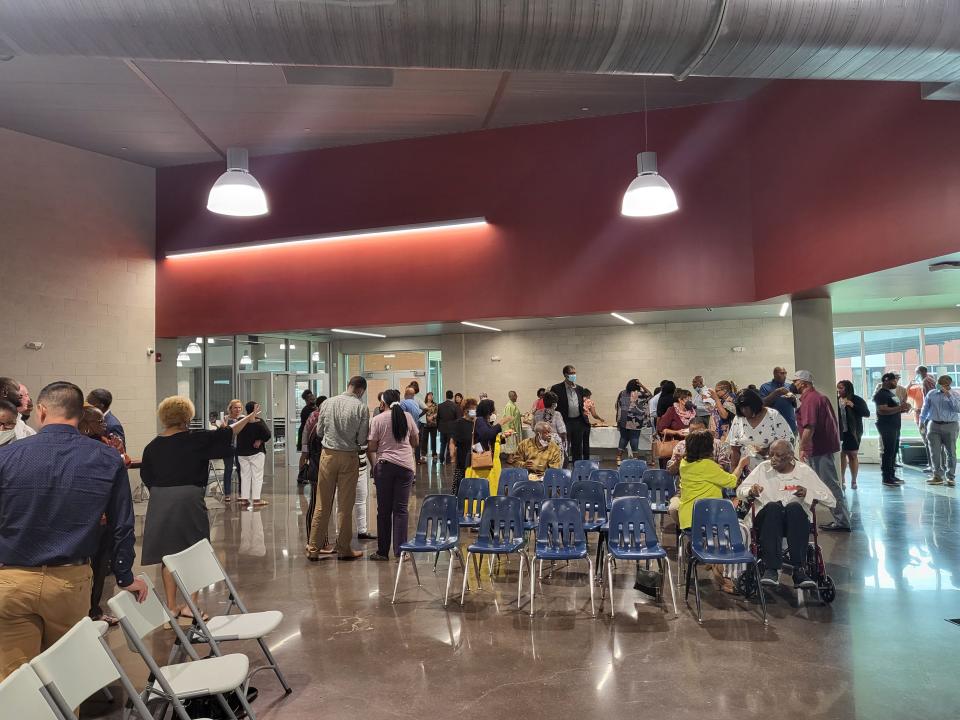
(471, 413)
(543, 443)
(7, 436)
(493, 417)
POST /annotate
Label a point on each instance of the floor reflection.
(350, 653)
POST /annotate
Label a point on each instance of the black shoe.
(770, 578)
(833, 527)
(378, 557)
(802, 581)
(892, 482)
(366, 536)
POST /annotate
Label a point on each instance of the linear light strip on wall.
(357, 332)
(334, 237)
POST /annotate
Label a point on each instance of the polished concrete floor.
(883, 649)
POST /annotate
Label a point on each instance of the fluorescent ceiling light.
(237, 192)
(199, 339)
(183, 357)
(245, 360)
(618, 316)
(283, 346)
(649, 194)
(336, 236)
(784, 308)
(391, 355)
(194, 349)
(478, 325)
(357, 332)
(316, 356)
(292, 346)
(209, 342)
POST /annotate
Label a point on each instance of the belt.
(943, 422)
(77, 562)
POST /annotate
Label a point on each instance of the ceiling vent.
(337, 76)
(945, 265)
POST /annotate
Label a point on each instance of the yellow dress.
(492, 474)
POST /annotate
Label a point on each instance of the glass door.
(319, 384)
(259, 387)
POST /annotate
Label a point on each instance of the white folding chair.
(181, 681)
(197, 567)
(23, 696)
(78, 665)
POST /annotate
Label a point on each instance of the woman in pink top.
(390, 445)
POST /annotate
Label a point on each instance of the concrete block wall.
(607, 357)
(78, 247)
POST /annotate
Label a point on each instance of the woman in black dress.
(851, 410)
(175, 467)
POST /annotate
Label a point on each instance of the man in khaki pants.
(342, 428)
(54, 488)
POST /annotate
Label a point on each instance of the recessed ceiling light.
(784, 308)
(124, 148)
(306, 129)
(584, 109)
(357, 332)
(478, 325)
(618, 316)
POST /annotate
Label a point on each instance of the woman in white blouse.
(755, 429)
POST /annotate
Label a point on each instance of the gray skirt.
(176, 519)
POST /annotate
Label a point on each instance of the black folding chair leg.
(696, 590)
(686, 594)
(763, 597)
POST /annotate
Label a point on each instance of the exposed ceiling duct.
(916, 40)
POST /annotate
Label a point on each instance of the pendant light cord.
(646, 134)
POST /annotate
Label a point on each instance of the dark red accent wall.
(794, 188)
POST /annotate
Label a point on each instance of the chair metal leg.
(413, 562)
(242, 697)
(673, 590)
(696, 590)
(463, 588)
(436, 559)
(396, 582)
(679, 559)
(523, 557)
(686, 593)
(225, 705)
(273, 664)
(446, 592)
(107, 695)
(763, 598)
(533, 584)
(610, 581)
(593, 609)
(476, 569)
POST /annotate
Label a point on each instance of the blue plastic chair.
(471, 496)
(663, 486)
(509, 477)
(438, 530)
(632, 470)
(715, 539)
(583, 468)
(532, 494)
(632, 535)
(590, 496)
(560, 536)
(631, 488)
(502, 531)
(557, 483)
(609, 480)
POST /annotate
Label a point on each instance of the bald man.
(783, 491)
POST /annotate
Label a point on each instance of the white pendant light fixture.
(237, 192)
(183, 357)
(649, 194)
(179, 364)
(245, 359)
(315, 356)
(193, 349)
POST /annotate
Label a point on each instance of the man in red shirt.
(820, 442)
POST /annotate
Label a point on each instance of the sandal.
(184, 612)
(260, 503)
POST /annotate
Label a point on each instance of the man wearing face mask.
(8, 422)
(570, 406)
(540, 452)
(10, 390)
(462, 439)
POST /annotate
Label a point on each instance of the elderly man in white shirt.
(784, 491)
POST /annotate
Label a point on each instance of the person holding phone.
(783, 492)
(889, 409)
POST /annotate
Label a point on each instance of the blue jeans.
(629, 436)
(228, 464)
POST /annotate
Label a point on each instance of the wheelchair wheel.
(828, 591)
(746, 584)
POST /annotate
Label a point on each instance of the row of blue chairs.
(558, 482)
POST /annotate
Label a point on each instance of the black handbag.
(207, 706)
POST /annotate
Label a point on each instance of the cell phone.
(221, 416)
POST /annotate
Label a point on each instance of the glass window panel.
(890, 350)
(846, 353)
(220, 376)
(259, 353)
(941, 351)
(190, 375)
(318, 356)
(299, 354)
(435, 374)
(395, 361)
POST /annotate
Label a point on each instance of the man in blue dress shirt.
(941, 417)
(102, 399)
(54, 488)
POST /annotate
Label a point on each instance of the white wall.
(605, 357)
(77, 237)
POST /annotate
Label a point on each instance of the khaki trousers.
(37, 607)
(338, 474)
